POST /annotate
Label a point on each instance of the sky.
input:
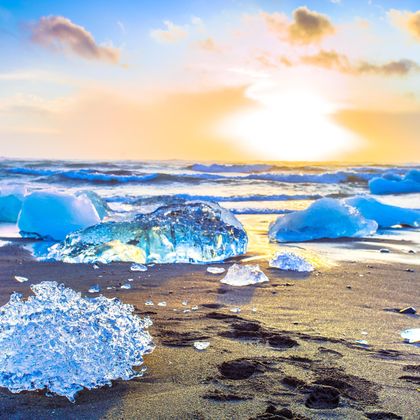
(231, 80)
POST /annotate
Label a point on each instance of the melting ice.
(62, 342)
(291, 262)
(192, 232)
(244, 275)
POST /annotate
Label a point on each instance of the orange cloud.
(172, 34)
(60, 33)
(409, 21)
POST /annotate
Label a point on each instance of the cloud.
(172, 34)
(60, 33)
(208, 45)
(409, 21)
(309, 26)
(306, 27)
(340, 62)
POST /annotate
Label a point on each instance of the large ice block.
(62, 342)
(11, 199)
(325, 218)
(191, 232)
(53, 215)
(385, 215)
(395, 184)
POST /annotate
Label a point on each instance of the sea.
(257, 193)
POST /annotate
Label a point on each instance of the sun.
(291, 125)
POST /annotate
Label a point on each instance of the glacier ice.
(21, 279)
(11, 199)
(62, 342)
(291, 262)
(325, 218)
(100, 205)
(192, 232)
(395, 184)
(244, 275)
(385, 215)
(411, 335)
(53, 215)
(138, 267)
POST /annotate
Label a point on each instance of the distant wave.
(32, 171)
(230, 168)
(86, 175)
(250, 210)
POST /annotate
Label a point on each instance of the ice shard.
(191, 232)
(61, 342)
(291, 262)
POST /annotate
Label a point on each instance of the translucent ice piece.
(138, 267)
(244, 275)
(201, 345)
(291, 262)
(62, 342)
(215, 270)
(11, 199)
(411, 335)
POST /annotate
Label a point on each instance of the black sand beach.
(292, 352)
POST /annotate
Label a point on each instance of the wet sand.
(292, 352)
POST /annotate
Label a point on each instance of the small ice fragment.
(21, 279)
(109, 288)
(138, 267)
(235, 310)
(362, 342)
(149, 303)
(201, 345)
(364, 333)
(94, 289)
(215, 270)
(130, 279)
(163, 303)
(126, 286)
(184, 303)
(243, 275)
(411, 335)
(384, 251)
(291, 262)
(95, 266)
(254, 309)
(194, 308)
(186, 311)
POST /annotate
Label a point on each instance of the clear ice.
(244, 275)
(215, 270)
(11, 199)
(53, 215)
(384, 214)
(325, 218)
(396, 184)
(138, 267)
(192, 232)
(411, 335)
(291, 262)
(61, 342)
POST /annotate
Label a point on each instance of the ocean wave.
(251, 210)
(87, 175)
(230, 168)
(32, 171)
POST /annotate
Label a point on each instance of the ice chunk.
(411, 335)
(11, 199)
(244, 275)
(21, 279)
(291, 262)
(163, 304)
(138, 267)
(194, 232)
(55, 214)
(100, 205)
(215, 270)
(126, 286)
(94, 289)
(396, 184)
(325, 218)
(201, 345)
(384, 214)
(63, 342)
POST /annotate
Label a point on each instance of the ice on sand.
(244, 275)
(291, 262)
(53, 215)
(383, 214)
(325, 218)
(62, 342)
(411, 335)
(215, 270)
(201, 345)
(192, 232)
(138, 267)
